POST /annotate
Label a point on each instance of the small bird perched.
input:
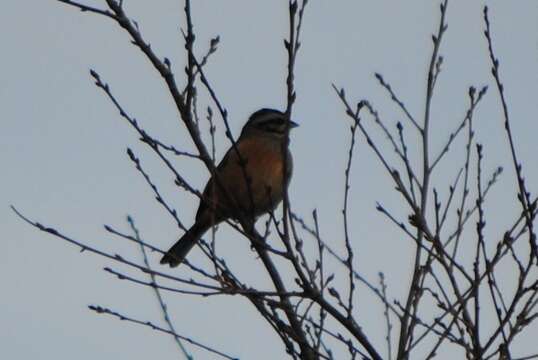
(253, 174)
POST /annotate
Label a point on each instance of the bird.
(250, 180)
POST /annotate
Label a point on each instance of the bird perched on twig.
(249, 181)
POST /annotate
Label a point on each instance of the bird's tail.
(181, 248)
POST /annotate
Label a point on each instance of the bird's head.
(268, 122)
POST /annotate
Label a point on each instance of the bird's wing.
(227, 170)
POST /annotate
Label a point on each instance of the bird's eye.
(281, 122)
(277, 122)
(275, 125)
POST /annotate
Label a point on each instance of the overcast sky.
(63, 160)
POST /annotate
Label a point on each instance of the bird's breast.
(267, 172)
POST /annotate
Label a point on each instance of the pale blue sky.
(62, 151)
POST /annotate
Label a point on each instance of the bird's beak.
(292, 124)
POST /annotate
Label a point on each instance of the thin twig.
(157, 293)
(103, 310)
(349, 260)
